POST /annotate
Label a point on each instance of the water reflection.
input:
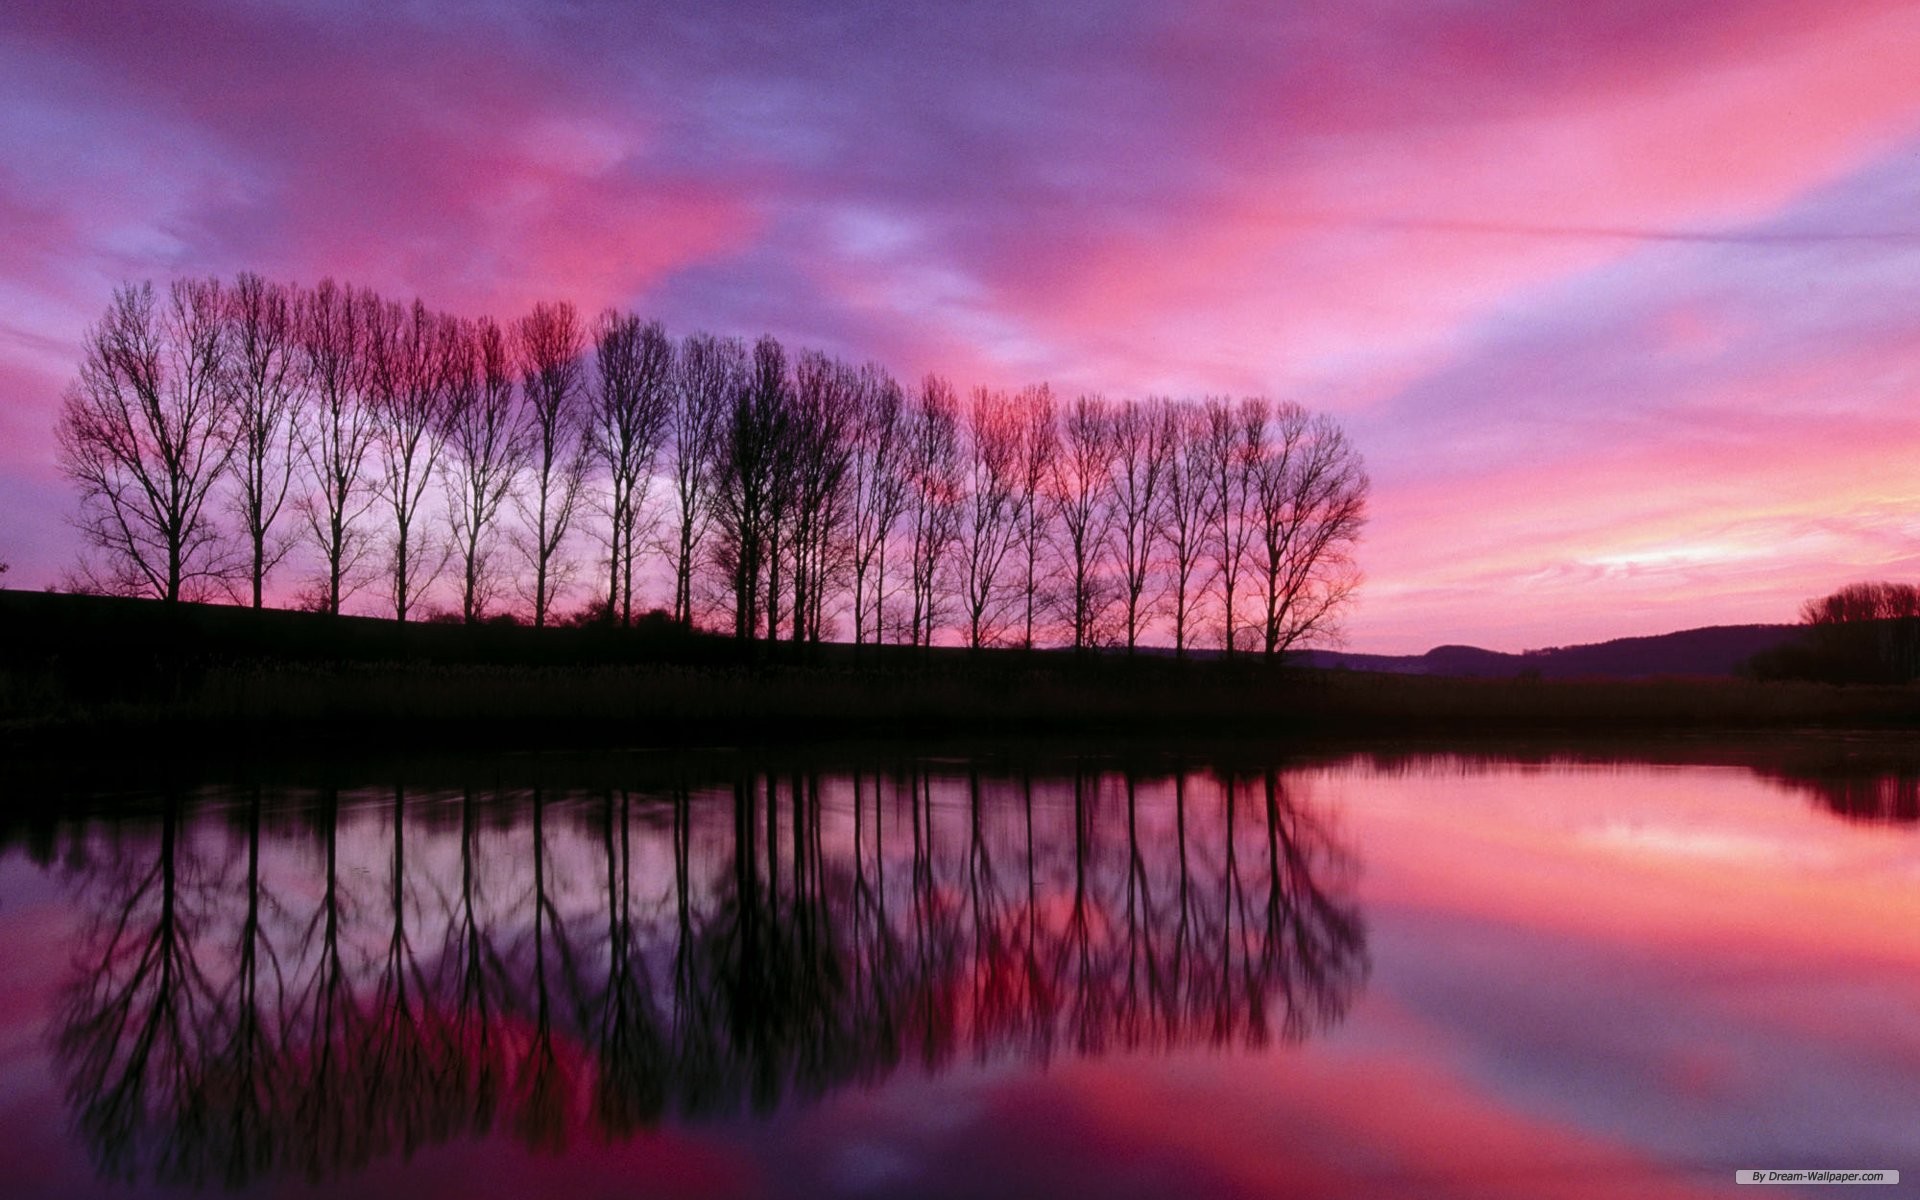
(1889, 796)
(1867, 780)
(289, 982)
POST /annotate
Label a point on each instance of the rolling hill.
(1717, 650)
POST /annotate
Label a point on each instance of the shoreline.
(533, 707)
(82, 672)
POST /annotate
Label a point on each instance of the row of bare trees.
(217, 428)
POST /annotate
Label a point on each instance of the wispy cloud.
(1550, 264)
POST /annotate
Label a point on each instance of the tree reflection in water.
(1886, 797)
(399, 968)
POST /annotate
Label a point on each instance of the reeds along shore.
(78, 669)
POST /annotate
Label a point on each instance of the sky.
(1619, 300)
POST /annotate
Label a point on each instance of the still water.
(984, 974)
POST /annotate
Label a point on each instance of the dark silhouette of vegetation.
(752, 473)
(707, 951)
(826, 403)
(779, 494)
(1863, 633)
(410, 355)
(146, 434)
(100, 670)
(933, 469)
(989, 527)
(551, 343)
(336, 435)
(632, 401)
(1310, 501)
(487, 449)
(269, 391)
(708, 373)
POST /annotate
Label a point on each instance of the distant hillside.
(1715, 650)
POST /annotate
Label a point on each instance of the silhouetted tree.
(146, 433)
(1235, 435)
(879, 494)
(934, 483)
(1084, 525)
(825, 407)
(709, 374)
(1862, 633)
(750, 473)
(773, 383)
(1144, 434)
(1080, 488)
(632, 402)
(1039, 441)
(486, 450)
(1311, 501)
(335, 434)
(550, 342)
(409, 351)
(1863, 602)
(269, 390)
(989, 524)
(1186, 517)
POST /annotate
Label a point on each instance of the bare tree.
(1235, 436)
(1080, 487)
(407, 351)
(708, 373)
(772, 385)
(1856, 602)
(146, 433)
(334, 435)
(487, 448)
(1865, 632)
(989, 525)
(1103, 517)
(1186, 516)
(631, 406)
(747, 482)
(270, 383)
(879, 493)
(1039, 441)
(1143, 444)
(933, 471)
(826, 395)
(549, 343)
(1310, 503)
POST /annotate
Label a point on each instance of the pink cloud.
(1311, 242)
(461, 169)
(1411, 217)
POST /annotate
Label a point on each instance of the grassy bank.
(74, 670)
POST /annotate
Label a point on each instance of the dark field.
(75, 668)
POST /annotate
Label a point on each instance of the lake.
(999, 972)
